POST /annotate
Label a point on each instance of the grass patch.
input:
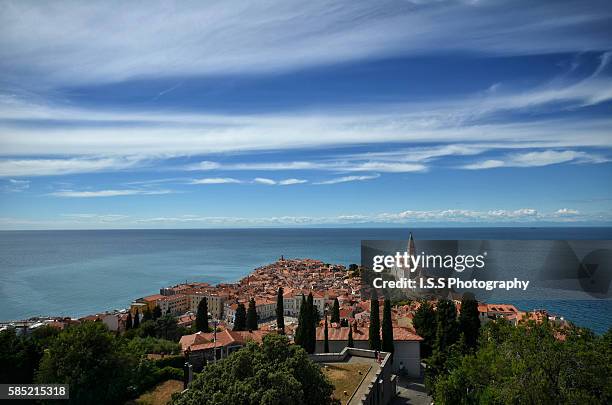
(345, 377)
(160, 395)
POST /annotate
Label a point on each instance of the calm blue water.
(81, 272)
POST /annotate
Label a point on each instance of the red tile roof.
(204, 341)
(362, 333)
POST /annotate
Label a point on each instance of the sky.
(321, 113)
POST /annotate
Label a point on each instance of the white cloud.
(289, 182)
(15, 186)
(485, 164)
(106, 193)
(285, 182)
(461, 215)
(205, 38)
(346, 179)
(97, 217)
(338, 166)
(53, 167)
(386, 167)
(157, 135)
(208, 165)
(407, 217)
(567, 212)
(204, 165)
(263, 180)
(216, 180)
(520, 213)
(538, 158)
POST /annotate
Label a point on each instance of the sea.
(76, 273)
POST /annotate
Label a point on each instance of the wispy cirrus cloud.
(463, 124)
(347, 179)
(285, 182)
(338, 166)
(290, 182)
(15, 186)
(161, 40)
(106, 193)
(216, 180)
(55, 167)
(536, 159)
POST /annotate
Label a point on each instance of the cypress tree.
(202, 316)
(157, 312)
(313, 322)
(425, 325)
(335, 316)
(374, 338)
(387, 328)
(301, 331)
(447, 332)
(240, 318)
(146, 314)
(280, 312)
(136, 323)
(128, 321)
(326, 342)
(469, 323)
(437, 360)
(251, 318)
(350, 337)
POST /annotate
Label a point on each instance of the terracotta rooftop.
(362, 333)
(204, 341)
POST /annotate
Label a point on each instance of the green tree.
(201, 320)
(91, 361)
(157, 312)
(308, 320)
(140, 346)
(530, 364)
(128, 321)
(147, 329)
(469, 323)
(313, 322)
(387, 328)
(425, 325)
(251, 316)
(335, 315)
(274, 372)
(19, 357)
(447, 331)
(301, 333)
(280, 312)
(326, 341)
(147, 315)
(350, 343)
(166, 327)
(240, 318)
(136, 323)
(374, 330)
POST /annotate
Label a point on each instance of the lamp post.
(215, 323)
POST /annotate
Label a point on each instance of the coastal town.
(342, 341)
(298, 278)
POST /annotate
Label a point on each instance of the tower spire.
(411, 249)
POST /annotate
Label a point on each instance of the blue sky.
(228, 114)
